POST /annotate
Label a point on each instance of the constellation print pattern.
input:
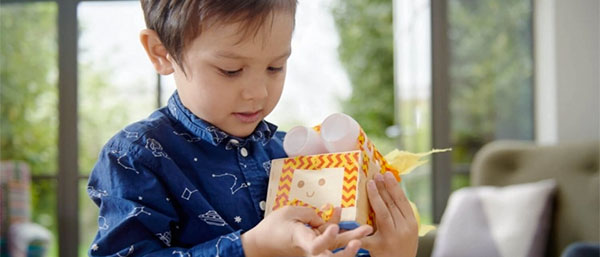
(182, 254)
(187, 193)
(96, 193)
(212, 218)
(129, 252)
(267, 166)
(115, 152)
(156, 148)
(233, 187)
(131, 134)
(165, 238)
(231, 237)
(218, 135)
(102, 224)
(137, 211)
(188, 137)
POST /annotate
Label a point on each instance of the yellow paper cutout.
(405, 162)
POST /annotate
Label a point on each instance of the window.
(102, 72)
(29, 95)
(464, 74)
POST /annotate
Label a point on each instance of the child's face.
(234, 82)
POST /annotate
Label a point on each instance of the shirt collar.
(263, 132)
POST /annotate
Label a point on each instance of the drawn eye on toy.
(318, 187)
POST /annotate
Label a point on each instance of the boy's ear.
(156, 52)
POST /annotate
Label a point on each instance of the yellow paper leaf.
(405, 162)
(424, 229)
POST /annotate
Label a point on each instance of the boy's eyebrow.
(231, 55)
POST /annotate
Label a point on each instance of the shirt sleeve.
(136, 218)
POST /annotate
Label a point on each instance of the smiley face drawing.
(318, 187)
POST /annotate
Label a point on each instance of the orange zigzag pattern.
(384, 166)
(316, 162)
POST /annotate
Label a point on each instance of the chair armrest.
(23, 235)
(426, 244)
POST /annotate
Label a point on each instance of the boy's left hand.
(397, 229)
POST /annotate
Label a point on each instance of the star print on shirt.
(129, 252)
(188, 137)
(102, 225)
(121, 156)
(96, 193)
(232, 188)
(137, 211)
(237, 219)
(187, 193)
(231, 238)
(182, 254)
(212, 218)
(156, 148)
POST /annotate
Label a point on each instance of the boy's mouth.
(248, 117)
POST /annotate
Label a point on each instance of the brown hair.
(178, 22)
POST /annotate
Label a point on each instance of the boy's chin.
(242, 131)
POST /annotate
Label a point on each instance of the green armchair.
(574, 166)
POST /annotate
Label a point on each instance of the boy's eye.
(230, 73)
(275, 69)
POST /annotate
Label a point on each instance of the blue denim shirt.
(175, 185)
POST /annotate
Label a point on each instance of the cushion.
(496, 221)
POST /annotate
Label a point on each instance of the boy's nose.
(256, 89)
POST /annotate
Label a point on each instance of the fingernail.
(371, 184)
(390, 175)
(378, 177)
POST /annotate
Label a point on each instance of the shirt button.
(262, 205)
(234, 142)
(244, 152)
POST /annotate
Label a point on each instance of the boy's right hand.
(285, 233)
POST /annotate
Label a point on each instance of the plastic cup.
(301, 140)
(340, 133)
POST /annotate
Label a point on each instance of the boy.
(191, 179)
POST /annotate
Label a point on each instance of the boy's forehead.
(227, 39)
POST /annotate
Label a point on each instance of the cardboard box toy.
(330, 178)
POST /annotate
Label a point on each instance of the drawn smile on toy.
(317, 187)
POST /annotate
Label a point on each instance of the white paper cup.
(301, 140)
(340, 133)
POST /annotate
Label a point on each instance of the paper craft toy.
(330, 164)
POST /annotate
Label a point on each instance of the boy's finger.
(323, 242)
(369, 242)
(387, 199)
(350, 250)
(383, 218)
(358, 233)
(398, 195)
(305, 215)
(335, 218)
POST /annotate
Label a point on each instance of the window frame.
(68, 177)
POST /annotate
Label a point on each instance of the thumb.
(306, 215)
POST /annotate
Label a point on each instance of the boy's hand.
(285, 233)
(344, 237)
(397, 229)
